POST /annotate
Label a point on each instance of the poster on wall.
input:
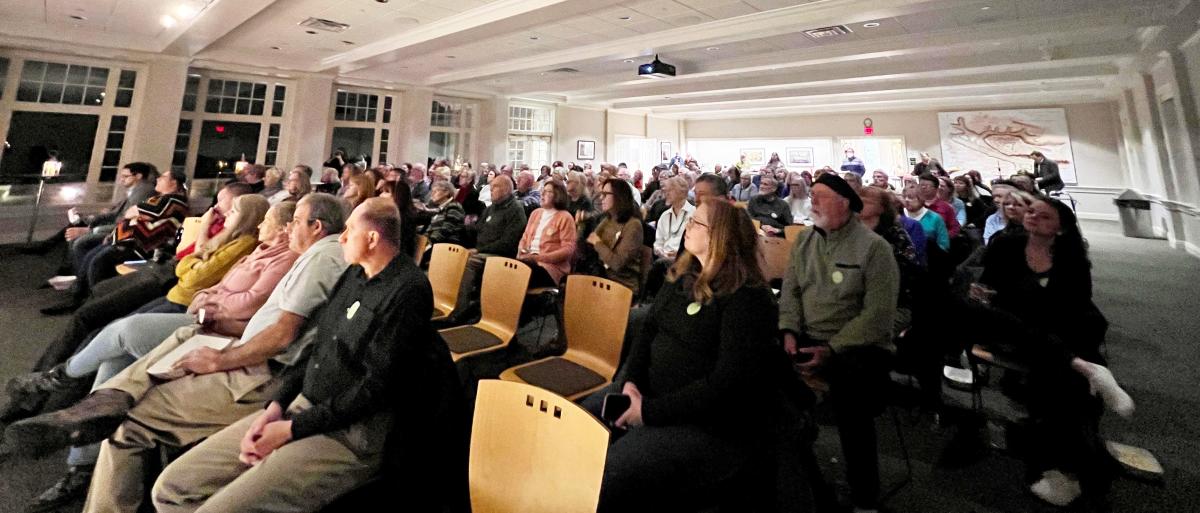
(585, 150)
(998, 142)
(664, 151)
(755, 156)
(799, 157)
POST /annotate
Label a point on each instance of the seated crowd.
(312, 302)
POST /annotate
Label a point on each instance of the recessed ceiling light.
(986, 7)
(450, 57)
(77, 17)
(382, 1)
(625, 18)
(628, 61)
(167, 21)
(534, 38)
(712, 48)
(870, 25)
(310, 32)
(186, 12)
(275, 48)
(347, 42)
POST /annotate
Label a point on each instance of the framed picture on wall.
(585, 150)
(754, 156)
(799, 157)
(664, 149)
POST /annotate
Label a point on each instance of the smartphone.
(614, 406)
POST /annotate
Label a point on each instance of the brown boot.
(89, 421)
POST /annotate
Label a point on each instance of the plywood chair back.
(793, 232)
(191, 232)
(419, 249)
(775, 253)
(503, 292)
(595, 314)
(757, 225)
(446, 266)
(534, 452)
(740, 204)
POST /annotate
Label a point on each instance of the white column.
(493, 131)
(156, 112)
(412, 131)
(308, 133)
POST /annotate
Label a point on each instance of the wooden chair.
(504, 283)
(534, 452)
(757, 225)
(775, 253)
(419, 249)
(191, 231)
(793, 232)
(596, 314)
(741, 204)
(446, 267)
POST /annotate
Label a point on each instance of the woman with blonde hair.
(700, 377)
(358, 189)
(272, 182)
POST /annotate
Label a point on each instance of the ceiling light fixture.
(870, 25)
(625, 18)
(186, 12)
(712, 48)
(310, 32)
(986, 7)
(167, 21)
(450, 57)
(382, 1)
(347, 42)
(628, 61)
(275, 48)
(534, 38)
(77, 17)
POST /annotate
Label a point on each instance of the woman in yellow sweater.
(206, 266)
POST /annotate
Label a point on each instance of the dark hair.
(561, 200)
(719, 186)
(237, 188)
(1036, 153)
(143, 169)
(402, 196)
(1006, 183)
(179, 176)
(327, 209)
(624, 208)
(307, 170)
(1070, 248)
(928, 177)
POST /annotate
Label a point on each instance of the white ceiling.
(735, 57)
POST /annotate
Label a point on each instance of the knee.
(167, 493)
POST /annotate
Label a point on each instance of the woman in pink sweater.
(548, 245)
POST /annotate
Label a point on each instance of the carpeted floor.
(1148, 292)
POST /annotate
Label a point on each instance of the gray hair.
(327, 209)
(443, 186)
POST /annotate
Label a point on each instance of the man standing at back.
(836, 310)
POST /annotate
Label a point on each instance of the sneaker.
(72, 487)
(89, 421)
(1056, 488)
(61, 282)
(1102, 383)
(34, 383)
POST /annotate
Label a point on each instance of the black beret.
(835, 182)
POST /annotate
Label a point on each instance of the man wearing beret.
(835, 315)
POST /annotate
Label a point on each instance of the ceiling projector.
(656, 69)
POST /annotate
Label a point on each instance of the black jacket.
(1047, 175)
(500, 228)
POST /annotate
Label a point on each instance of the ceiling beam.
(218, 19)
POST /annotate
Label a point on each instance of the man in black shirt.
(498, 232)
(375, 353)
(1045, 172)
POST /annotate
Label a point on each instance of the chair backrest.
(446, 266)
(775, 253)
(595, 314)
(792, 232)
(419, 249)
(740, 204)
(503, 291)
(191, 232)
(534, 452)
(757, 225)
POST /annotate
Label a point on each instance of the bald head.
(382, 216)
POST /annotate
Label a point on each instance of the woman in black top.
(697, 378)
(1035, 303)
(402, 195)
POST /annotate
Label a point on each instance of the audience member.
(297, 185)
(498, 233)
(837, 308)
(880, 179)
(928, 165)
(927, 187)
(447, 223)
(975, 208)
(798, 201)
(409, 217)
(997, 221)
(358, 188)
(879, 214)
(419, 183)
(668, 231)
(853, 164)
(526, 193)
(548, 244)
(945, 193)
(87, 233)
(709, 188)
(272, 182)
(579, 200)
(745, 190)
(931, 223)
(615, 245)
(766, 208)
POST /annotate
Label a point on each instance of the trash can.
(1134, 209)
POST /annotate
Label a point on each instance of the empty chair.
(446, 266)
(191, 231)
(792, 232)
(534, 452)
(504, 283)
(775, 253)
(596, 313)
(419, 249)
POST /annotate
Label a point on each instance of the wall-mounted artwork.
(799, 157)
(585, 150)
(664, 150)
(998, 142)
(755, 156)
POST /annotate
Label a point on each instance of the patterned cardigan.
(158, 220)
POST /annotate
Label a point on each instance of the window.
(125, 85)
(387, 109)
(451, 125)
(272, 144)
(34, 136)
(190, 92)
(3, 74)
(70, 84)
(451, 115)
(355, 106)
(277, 102)
(530, 131)
(234, 97)
(358, 143)
(383, 143)
(223, 144)
(183, 137)
(112, 148)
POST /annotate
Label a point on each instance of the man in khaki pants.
(374, 347)
(218, 387)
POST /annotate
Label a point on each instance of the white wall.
(575, 124)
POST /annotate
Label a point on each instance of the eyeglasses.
(125, 175)
(693, 222)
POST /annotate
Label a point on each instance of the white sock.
(1056, 488)
(1102, 382)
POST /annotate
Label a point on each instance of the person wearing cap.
(836, 311)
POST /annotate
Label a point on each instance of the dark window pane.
(98, 77)
(27, 91)
(189, 102)
(124, 98)
(228, 105)
(273, 130)
(256, 107)
(387, 102)
(270, 159)
(179, 158)
(244, 89)
(193, 85)
(214, 87)
(230, 88)
(93, 96)
(73, 95)
(339, 113)
(212, 104)
(128, 79)
(374, 101)
(111, 158)
(243, 106)
(56, 72)
(51, 93)
(32, 135)
(384, 134)
(118, 123)
(77, 75)
(221, 150)
(185, 126)
(371, 115)
(272, 144)
(277, 109)
(361, 115)
(33, 70)
(260, 91)
(341, 98)
(115, 141)
(357, 141)
(280, 92)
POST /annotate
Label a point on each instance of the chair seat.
(439, 313)
(561, 376)
(465, 339)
